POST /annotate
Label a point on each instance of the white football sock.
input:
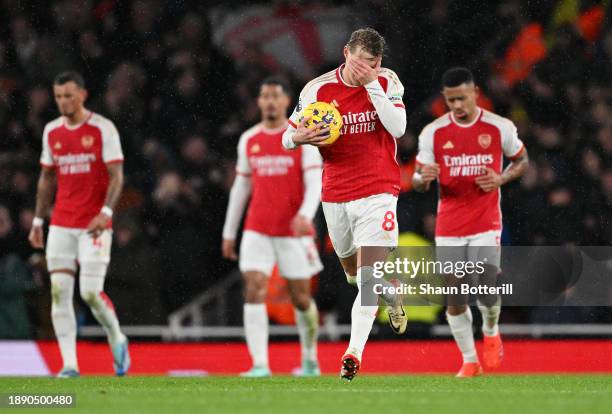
(362, 316)
(62, 316)
(256, 332)
(461, 327)
(490, 318)
(91, 287)
(308, 328)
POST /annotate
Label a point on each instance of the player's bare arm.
(424, 176)
(228, 249)
(492, 181)
(44, 195)
(115, 185)
(303, 135)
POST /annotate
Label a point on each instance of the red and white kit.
(282, 184)
(79, 154)
(467, 215)
(360, 173)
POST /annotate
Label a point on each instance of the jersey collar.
(476, 119)
(77, 126)
(270, 131)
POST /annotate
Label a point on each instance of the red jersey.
(362, 161)
(79, 155)
(277, 179)
(463, 152)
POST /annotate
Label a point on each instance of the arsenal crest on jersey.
(87, 141)
(484, 140)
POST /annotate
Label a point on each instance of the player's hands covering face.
(361, 72)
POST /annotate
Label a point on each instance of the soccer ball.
(323, 115)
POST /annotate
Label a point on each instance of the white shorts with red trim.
(369, 221)
(68, 246)
(475, 247)
(297, 257)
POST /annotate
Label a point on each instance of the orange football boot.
(493, 351)
(470, 369)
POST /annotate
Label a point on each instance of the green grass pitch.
(366, 394)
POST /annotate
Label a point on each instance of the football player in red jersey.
(361, 177)
(284, 189)
(82, 157)
(464, 151)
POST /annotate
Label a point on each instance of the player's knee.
(365, 275)
(301, 301)
(255, 287)
(62, 285)
(60, 302)
(488, 300)
(90, 296)
(455, 310)
(255, 292)
(349, 266)
(92, 281)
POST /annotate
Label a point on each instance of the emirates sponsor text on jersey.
(359, 122)
(270, 165)
(467, 165)
(74, 163)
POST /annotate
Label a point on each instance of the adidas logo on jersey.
(57, 146)
(448, 145)
(255, 148)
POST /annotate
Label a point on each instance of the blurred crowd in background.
(180, 101)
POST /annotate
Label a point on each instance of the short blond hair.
(369, 39)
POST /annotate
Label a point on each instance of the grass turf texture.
(372, 394)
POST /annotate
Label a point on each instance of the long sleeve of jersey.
(240, 192)
(389, 106)
(288, 137)
(239, 195)
(311, 167)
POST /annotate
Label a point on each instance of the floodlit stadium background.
(179, 79)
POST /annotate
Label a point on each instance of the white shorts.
(478, 246)
(67, 246)
(369, 221)
(297, 257)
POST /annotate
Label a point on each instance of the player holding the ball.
(361, 177)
